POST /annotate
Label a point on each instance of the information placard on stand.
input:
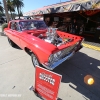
(46, 83)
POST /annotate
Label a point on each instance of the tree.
(10, 7)
(6, 10)
(21, 14)
(18, 4)
(1, 8)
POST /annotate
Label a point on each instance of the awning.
(70, 6)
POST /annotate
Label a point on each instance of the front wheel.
(35, 60)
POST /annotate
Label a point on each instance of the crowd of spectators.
(73, 26)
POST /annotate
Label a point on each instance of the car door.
(10, 32)
(17, 34)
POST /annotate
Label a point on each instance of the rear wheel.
(11, 43)
(35, 60)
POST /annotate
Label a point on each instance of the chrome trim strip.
(55, 64)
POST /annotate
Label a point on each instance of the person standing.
(74, 27)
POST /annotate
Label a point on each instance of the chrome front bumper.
(55, 64)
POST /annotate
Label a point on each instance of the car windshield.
(31, 25)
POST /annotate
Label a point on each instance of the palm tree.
(10, 7)
(6, 9)
(21, 14)
(1, 8)
(18, 4)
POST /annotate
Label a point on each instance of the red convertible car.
(48, 46)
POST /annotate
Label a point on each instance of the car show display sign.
(47, 83)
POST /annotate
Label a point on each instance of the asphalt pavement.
(17, 74)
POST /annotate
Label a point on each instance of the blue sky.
(35, 4)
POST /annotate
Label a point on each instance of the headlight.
(77, 43)
(83, 40)
(50, 58)
(54, 57)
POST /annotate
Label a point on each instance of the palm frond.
(1, 8)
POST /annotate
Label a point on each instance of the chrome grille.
(64, 53)
(67, 51)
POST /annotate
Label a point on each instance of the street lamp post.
(6, 10)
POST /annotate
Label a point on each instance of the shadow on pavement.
(74, 70)
(59, 99)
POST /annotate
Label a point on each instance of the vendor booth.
(62, 15)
